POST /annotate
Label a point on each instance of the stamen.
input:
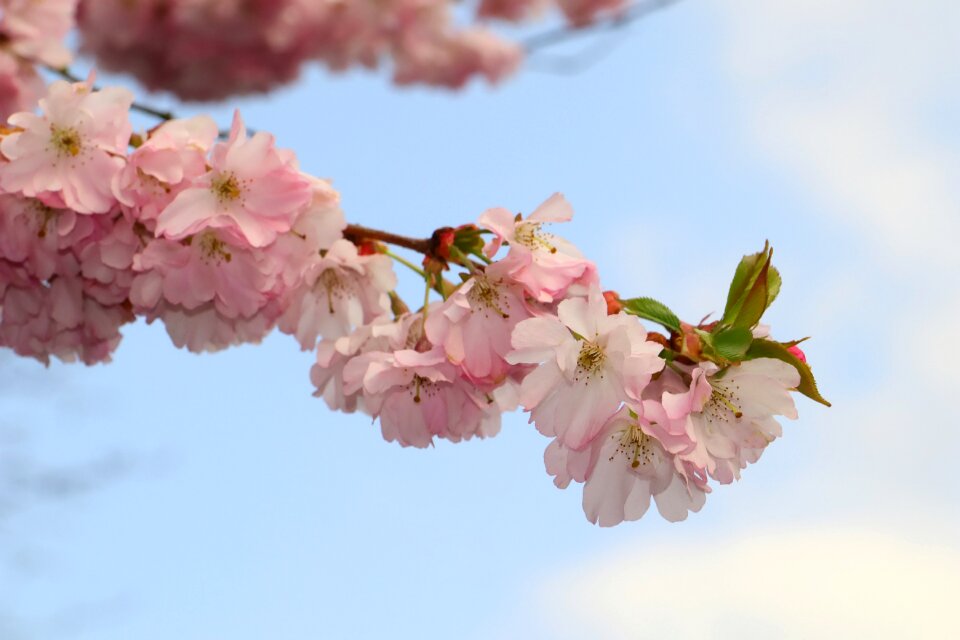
(420, 385)
(529, 235)
(635, 446)
(226, 187)
(66, 141)
(44, 215)
(484, 294)
(331, 281)
(591, 357)
(725, 401)
(214, 249)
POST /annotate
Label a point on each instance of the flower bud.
(798, 352)
(613, 302)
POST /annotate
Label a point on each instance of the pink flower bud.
(795, 350)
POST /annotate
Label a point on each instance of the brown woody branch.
(357, 234)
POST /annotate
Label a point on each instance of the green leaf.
(773, 285)
(744, 277)
(651, 309)
(756, 284)
(756, 300)
(732, 343)
(762, 348)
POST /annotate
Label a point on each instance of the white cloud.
(846, 98)
(799, 584)
(843, 96)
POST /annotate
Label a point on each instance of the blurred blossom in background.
(215, 498)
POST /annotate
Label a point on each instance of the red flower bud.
(798, 352)
(613, 302)
(442, 241)
(690, 342)
(367, 248)
(659, 338)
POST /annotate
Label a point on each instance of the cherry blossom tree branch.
(631, 15)
(357, 233)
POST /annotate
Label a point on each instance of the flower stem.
(406, 263)
(426, 304)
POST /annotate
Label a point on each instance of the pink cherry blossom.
(452, 59)
(322, 222)
(623, 468)
(512, 10)
(63, 319)
(167, 163)
(545, 264)
(583, 12)
(419, 396)
(382, 335)
(730, 412)
(327, 373)
(36, 30)
(72, 151)
(207, 269)
(106, 257)
(589, 364)
(203, 49)
(339, 291)
(205, 329)
(36, 235)
(252, 191)
(209, 49)
(20, 85)
(317, 228)
(475, 324)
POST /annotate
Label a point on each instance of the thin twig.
(636, 12)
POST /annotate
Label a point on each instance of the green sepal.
(651, 309)
(763, 348)
(730, 344)
(468, 240)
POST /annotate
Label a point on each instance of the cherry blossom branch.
(631, 15)
(357, 234)
(225, 241)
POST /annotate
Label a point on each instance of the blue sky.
(229, 503)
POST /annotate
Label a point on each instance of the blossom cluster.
(225, 239)
(210, 49)
(222, 238)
